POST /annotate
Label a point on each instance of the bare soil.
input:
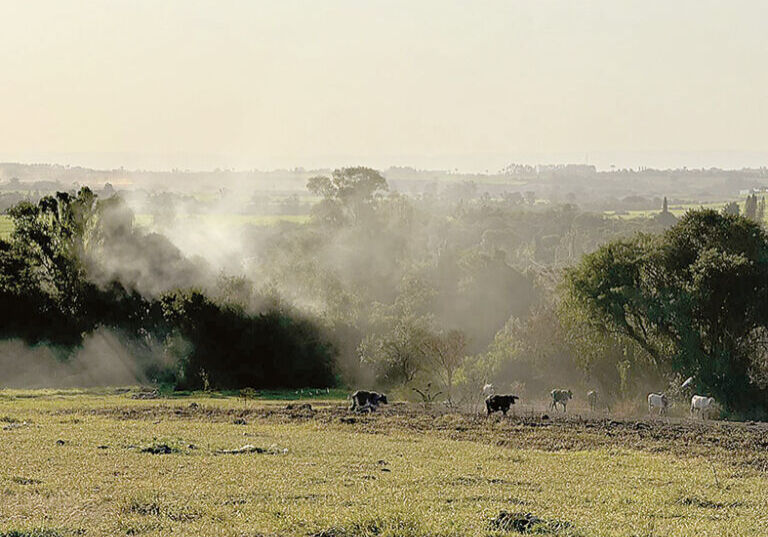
(742, 444)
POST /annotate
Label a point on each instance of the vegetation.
(692, 299)
(70, 269)
(86, 463)
(439, 293)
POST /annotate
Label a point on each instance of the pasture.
(104, 463)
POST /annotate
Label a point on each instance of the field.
(105, 463)
(677, 209)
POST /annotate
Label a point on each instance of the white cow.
(658, 402)
(702, 406)
(488, 390)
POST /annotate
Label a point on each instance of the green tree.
(349, 195)
(693, 299)
(52, 236)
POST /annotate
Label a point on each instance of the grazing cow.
(560, 397)
(363, 400)
(489, 389)
(593, 398)
(496, 403)
(702, 406)
(657, 401)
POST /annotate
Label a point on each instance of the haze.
(432, 83)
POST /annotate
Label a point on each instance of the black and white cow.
(364, 400)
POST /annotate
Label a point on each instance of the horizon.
(603, 162)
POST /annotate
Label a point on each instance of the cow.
(702, 406)
(364, 400)
(496, 403)
(489, 389)
(560, 397)
(593, 398)
(657, 401)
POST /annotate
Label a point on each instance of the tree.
(348, 195)
(446, 353)
(52, 236)
(532, 352)
(693, 299)
(223, 346)
(397, 355)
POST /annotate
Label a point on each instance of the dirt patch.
(703, 503)
(38, 533)
(528, 523)
(153, 394)
(299, 406)
(15, 425)
(736, 443)
(25, 481)
(241, 450)
(159, 449)
(155, 508)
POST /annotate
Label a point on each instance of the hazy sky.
(471, 84)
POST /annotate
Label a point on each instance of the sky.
(429, 83)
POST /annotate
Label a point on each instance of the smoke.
(102, 360)
(145, 262)
(461, 259)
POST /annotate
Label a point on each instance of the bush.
(234, 349)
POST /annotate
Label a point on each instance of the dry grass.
(76, 464)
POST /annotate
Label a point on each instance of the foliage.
(59, 282)
(445, 353)
(237, 350)
(348, 196)
(397, 354)
(533, 353)
(692, 298)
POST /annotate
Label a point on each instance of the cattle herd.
(701, 406)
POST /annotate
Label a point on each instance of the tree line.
(62, 278)
(431, 298)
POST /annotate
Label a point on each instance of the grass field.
(88, 463)
(677, 210)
